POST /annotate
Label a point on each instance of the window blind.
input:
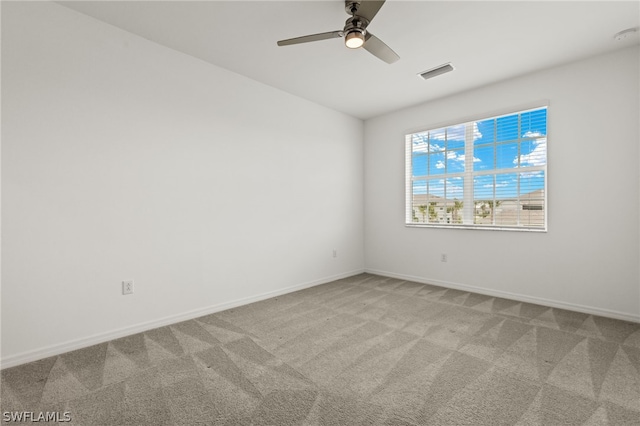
(488, 173)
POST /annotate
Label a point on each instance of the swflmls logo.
(30, 416)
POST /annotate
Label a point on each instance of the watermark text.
(35, 417)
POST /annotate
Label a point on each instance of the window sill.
(475, 227)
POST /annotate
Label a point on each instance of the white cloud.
(462, 158)
(454, 156)
(456, 133)
(476, 132)
(439, 165)
(419, 188)
(437, 134)
(420, 147)
(420, 142)
(537, 157)
(436, 147)
(531, 175)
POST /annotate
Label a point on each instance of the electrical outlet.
(443, 257)
(127, 287)
(335, 253)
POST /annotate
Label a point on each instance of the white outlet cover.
(127, 287)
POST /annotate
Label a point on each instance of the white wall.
(122, 159)
(587, 262)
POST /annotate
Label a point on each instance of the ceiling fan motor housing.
(355, 23)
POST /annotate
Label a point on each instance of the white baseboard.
(34, 355)
(513, 296)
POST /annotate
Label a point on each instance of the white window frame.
(469, 174)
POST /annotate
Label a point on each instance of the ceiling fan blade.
(369, 8)
(376, 47)
(310, 38)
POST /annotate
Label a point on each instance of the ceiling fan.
(355, 31)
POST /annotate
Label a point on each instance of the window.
(489, 173)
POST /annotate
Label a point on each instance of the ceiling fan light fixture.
(355, 31)
(354, 38)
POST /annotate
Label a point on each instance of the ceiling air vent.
(440, 69)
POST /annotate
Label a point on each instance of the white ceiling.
(485, 41)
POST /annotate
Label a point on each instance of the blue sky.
(499, 143)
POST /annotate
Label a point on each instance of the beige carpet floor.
(366, 350)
